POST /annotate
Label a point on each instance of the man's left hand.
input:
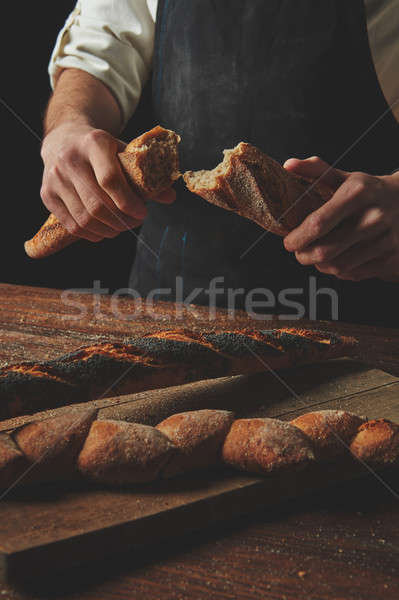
(355, 235)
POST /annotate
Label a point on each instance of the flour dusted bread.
(331, 431)
(52, 445)
(198, 435)
(258, 188)
(266, 445)
(377, 443)
(122, 453)
(151, 165)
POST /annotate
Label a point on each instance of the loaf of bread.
(151, 165)
(110, 452)
(258, 188)
(158, 360)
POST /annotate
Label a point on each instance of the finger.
(110, 177)
(349, 197)
(87, 223)
(58, 208)
(166, 197)
(352, 231)
(359, 254)
(100, 207)
(384, 267)
(316, 168)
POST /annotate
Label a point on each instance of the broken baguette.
(151, 165)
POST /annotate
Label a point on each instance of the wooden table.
(340, 544)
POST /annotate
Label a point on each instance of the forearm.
(79, 97)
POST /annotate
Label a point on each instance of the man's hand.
(355, 235)
(84, 185)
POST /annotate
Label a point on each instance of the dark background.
(28, 37)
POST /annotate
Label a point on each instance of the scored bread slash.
(151, 165)
(258, 188)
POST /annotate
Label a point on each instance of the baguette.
(118, 453)
(258, 188)
(151, 165)
(158, 360)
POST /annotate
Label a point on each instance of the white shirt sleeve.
(112, 40)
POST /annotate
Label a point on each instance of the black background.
(28, 36)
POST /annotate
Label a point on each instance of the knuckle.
(66, 156)
(373, 216)
(109, 180)
(73, 228)
(95, 208)
(83, 220)
(315, 224)
(96, 136)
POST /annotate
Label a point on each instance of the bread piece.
(377, 443)
(120, 453)
(258, 188)
(151, 165)
(54, 444)
(160, 359)
(199, 435)
(266, 445)
(331, 431)
(13, 463)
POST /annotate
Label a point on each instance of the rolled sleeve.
(113, 41)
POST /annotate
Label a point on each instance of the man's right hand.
(84, 185)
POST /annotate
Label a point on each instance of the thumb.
(316, 168)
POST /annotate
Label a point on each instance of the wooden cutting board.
(55, 527)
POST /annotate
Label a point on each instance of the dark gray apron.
(293, 78)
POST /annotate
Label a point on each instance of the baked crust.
(258, 188)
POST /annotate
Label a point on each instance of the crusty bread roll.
(122, 453)
(258, 188)
(160, 359)
(13, 462)
(266, 445)
(377, 443)
(54, 444)
(151, 165)
(199, 435)
(330, 431)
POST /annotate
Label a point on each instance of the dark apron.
(295, 79)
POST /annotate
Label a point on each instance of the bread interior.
(161, 165)
(208, 179)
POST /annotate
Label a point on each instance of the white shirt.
(113, 40)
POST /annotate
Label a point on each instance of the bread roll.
(258, 188)
(120, 453)
(377, 443)
(266, 445)
(54, 444)
(199, 435)
(330, 431)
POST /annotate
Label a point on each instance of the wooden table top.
(340, 544)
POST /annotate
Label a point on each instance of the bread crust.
(331, 431)
(52, 445)
(258, 188)
(265, 445)
(13, 463)
(120, 453)
(159, 359)
(377, 443)
(198, 435)
(53, 236)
